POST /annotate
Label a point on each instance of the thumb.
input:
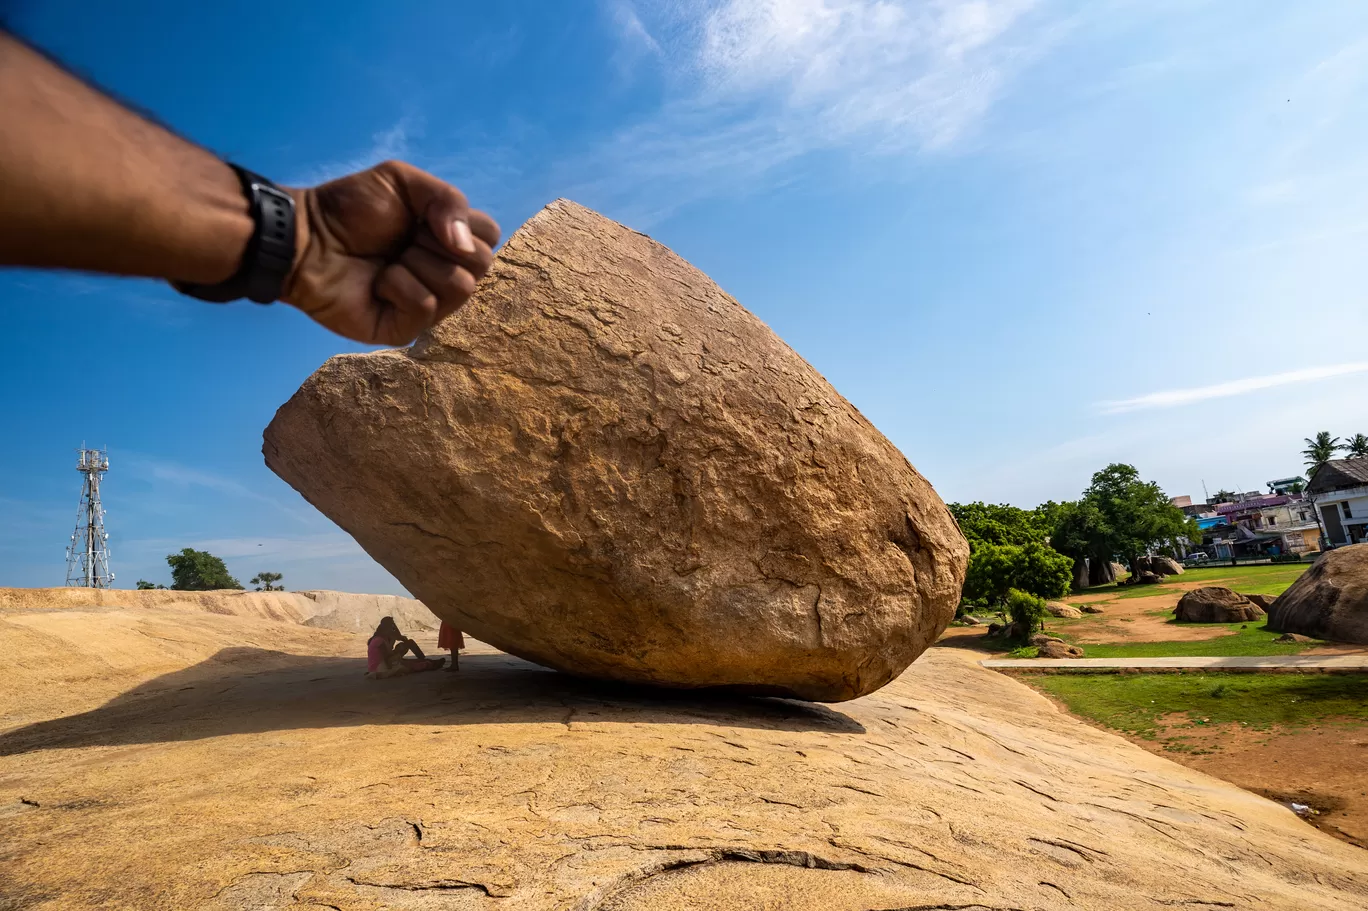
(443, 207)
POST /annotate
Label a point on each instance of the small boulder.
(1264, 601)
(1118, 570)
(1090, 609)
(1042, 638)
(1329, 600)
(1054, 648)
(1066, 611)
(1214, 604)
(1149, 578)
(1165, 566)
(971, 621)
(993, 629)
(1293, 637)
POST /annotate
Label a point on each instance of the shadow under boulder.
(1216, 605)
(1329, 600)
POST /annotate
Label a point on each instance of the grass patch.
(1253, 641)
(1270, 579)
(1137, 703)
(1026, 651)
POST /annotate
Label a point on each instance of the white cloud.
(1172, 398)
(754, 85)
(393, 142)
(631, 31)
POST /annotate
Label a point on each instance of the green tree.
(1035, 568)
(985, 523)
(1119, 515)
(1357, 446)
(1320, 450)
(144, 585)
(198, 571)
(1222, 496)
(265, 582)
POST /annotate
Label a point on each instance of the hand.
(384, 254)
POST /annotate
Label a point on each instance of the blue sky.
(1027, 238)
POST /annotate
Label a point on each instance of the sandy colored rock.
(257, 769)
(1056, 648)
(1264, 601)
(1214, 604)
(1056, 609)
(1329, 600)
(606, 465)
(1165, 566)
(343, 611)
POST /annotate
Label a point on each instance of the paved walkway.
(1330, 664)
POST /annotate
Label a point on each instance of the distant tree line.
(1045, 551)
(200, 571)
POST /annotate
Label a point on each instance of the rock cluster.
(606, 465)
(1215, 604)
(1329, 600)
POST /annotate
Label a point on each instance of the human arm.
(86, 183)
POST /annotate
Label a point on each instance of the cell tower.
(88, 553)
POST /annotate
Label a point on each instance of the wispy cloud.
(176, 475)
(754, 85)
(395, 141)
(1172, 398)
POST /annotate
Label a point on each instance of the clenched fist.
(385, 253)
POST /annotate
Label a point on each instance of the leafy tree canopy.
(198, 571)
(266, 582)
(985, 523)
(1356, 447)
(1035, 568)
(144, 585)
(1120, 514)
(1320, 450)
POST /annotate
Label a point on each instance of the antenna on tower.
(88, 552)
(1206, 497)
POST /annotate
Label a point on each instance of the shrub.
(1027, 612)
(1037, 569)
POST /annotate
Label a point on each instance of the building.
(1287, 485)
(1339, 493)
(1271, 525)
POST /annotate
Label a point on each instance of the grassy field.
(1251, 640)
(1137, 703)
(1264, 579)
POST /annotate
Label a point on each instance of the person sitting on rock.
(385, 653)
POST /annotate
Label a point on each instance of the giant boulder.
(1165, 566)
(1215, 604)
(1329, 600)
(606, 465)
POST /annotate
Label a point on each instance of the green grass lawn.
(1135, 703)
(1264, 579)
(1252, 640)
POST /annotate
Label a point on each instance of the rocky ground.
(165, 757)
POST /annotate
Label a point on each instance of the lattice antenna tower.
(88, 552)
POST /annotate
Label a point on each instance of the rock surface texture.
(606, 465)
(159, 758)
(1214, 604)
(1067, 611)
(1166, 566)
(1329, 600)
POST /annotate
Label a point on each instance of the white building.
(1339, 491)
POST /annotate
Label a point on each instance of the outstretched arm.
(87, 184)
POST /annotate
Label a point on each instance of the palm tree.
(1357, 446)
(1320, 450)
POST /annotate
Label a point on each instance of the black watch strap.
(270, 250)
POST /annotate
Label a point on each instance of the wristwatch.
(270, 250)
